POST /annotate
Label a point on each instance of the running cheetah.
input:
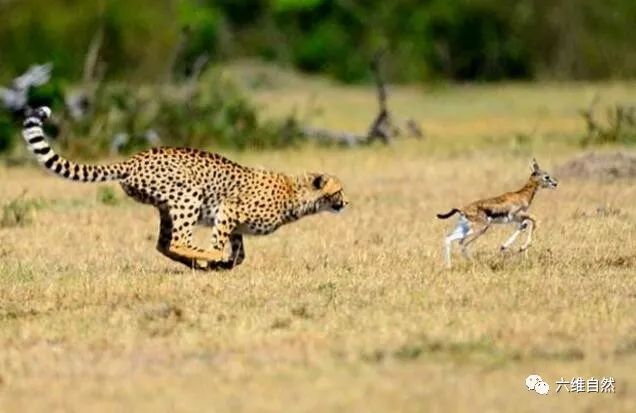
(190, 187)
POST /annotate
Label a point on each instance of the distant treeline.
(426, 39)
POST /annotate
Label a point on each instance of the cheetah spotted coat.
(192, 187)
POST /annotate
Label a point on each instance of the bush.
(7, 132)
(619, 126)
(125, 118)
(19, 212)
(460, 39)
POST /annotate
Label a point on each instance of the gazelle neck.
(529, 190)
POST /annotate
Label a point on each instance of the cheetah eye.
(546, 178)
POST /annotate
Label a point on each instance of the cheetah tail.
(448, 214)
(36, 141)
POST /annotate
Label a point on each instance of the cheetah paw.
(220, 265)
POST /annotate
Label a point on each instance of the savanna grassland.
(347, 312)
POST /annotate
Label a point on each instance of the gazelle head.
(542, 177)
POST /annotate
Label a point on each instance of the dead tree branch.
(78, 101)
(91, 72)
(330, 136)
(176, 54)
(383, 127)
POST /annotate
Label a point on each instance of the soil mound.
(594, 165)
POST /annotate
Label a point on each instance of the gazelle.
(511, 207)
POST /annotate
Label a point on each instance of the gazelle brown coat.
(511, 207)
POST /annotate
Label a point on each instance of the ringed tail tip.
(36, 116)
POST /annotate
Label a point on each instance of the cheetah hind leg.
(175, 241)
(193, 257)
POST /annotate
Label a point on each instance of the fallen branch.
(331, 136)
(383, 127)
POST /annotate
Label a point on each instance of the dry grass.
(349, 312)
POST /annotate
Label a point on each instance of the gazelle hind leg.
(461, 231)
(478, 230)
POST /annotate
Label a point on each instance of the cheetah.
(511, 207)
(192, 187)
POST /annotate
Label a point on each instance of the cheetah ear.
(319, 181)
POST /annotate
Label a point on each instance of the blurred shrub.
(107, 196)
(19, 211)
(126, 117)
(619, 126)
(8, 136)
(459, 39)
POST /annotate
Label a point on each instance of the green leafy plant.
(619, 126)
(19, 211)
(107, 196)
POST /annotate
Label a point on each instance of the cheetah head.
(323, 192)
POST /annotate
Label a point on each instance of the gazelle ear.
(534, 165)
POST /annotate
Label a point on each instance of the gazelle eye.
(546, 178)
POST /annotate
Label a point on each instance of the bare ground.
(348, 312)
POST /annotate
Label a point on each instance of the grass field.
(348, 312)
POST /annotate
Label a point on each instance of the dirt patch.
(594, 165)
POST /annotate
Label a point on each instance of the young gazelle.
(511, 207)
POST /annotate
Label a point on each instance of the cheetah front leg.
(225, 222)
(236, 257)
(175, 239)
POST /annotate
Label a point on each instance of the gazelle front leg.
(527, 220)
(504, 247)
